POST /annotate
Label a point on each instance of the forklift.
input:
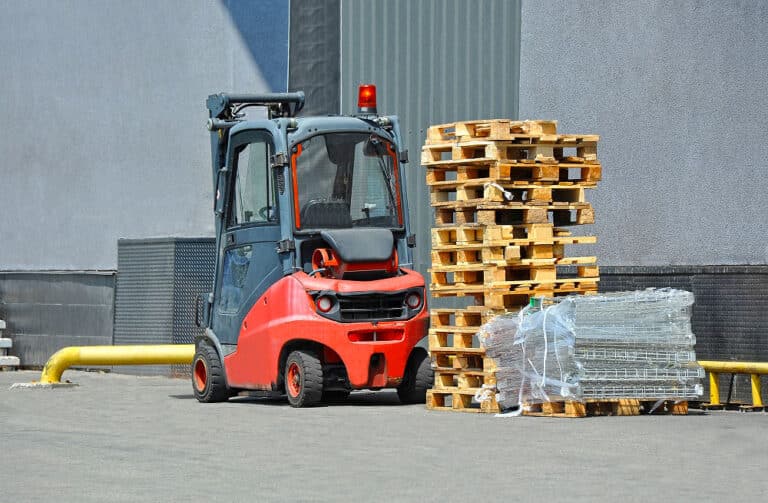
(314, 293)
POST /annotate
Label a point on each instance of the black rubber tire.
(214, 386)
(309, 381)
(418, 378)
(335, 396)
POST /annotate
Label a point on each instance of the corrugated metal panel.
(158, 281)
(433, 62)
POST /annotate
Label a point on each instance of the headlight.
(413, 300)
(324, 304)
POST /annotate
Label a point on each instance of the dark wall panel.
(314, 54)
(46, 311)
(730, 314)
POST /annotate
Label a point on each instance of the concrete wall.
(103, 106)
(678, 91)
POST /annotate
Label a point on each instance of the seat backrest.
(325, 214)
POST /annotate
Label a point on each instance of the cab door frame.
(254, 244)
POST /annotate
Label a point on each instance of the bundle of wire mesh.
(617, 345)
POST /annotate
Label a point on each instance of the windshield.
(346, 180)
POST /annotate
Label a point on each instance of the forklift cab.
(312, 255)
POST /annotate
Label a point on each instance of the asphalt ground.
(126, 438)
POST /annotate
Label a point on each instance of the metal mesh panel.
(194, 263)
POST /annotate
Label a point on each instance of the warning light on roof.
(366, 99)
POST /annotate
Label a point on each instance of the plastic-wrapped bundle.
(618, 345)
(654, 328)
(644, 391)
(534, 355)
(650, 316)
(636, 354)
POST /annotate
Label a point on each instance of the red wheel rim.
(293, 379)
(200, 374)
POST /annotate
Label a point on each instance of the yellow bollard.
(754, 369)
(757, 399)
(714, 388)
(148, 354)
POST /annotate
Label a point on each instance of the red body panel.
(287, 313)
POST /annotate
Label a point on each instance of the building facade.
(105, 111)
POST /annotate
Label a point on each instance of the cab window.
(253, 197)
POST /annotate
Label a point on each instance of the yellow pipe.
(735, 367)
(150, 354)
(714, 388)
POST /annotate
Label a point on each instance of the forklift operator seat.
(319, 214)
(361, 244)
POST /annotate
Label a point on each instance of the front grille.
(371, 307)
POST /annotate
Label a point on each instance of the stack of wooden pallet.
(504, 194)
(6, 361)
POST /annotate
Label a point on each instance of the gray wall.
(432, 62)
(678, 91)
(104, 112)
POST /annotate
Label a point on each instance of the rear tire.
(418, 378)
(303, 379)
(208, 382)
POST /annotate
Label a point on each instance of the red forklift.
(314, 295)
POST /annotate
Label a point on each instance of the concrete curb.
(40, 385)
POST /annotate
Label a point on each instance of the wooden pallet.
(474, 235)
(460, 400)
(505, 278)
(547, 149)
(453, 214)
(604, 407)
(574, 171)
(487, 190)
(535, 288)
(449, 379)
(470, 358)
(473, 316)
(513, 300)
(509, 257)
(494, 129)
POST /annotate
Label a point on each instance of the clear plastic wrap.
(534, 354)
(619, 345)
